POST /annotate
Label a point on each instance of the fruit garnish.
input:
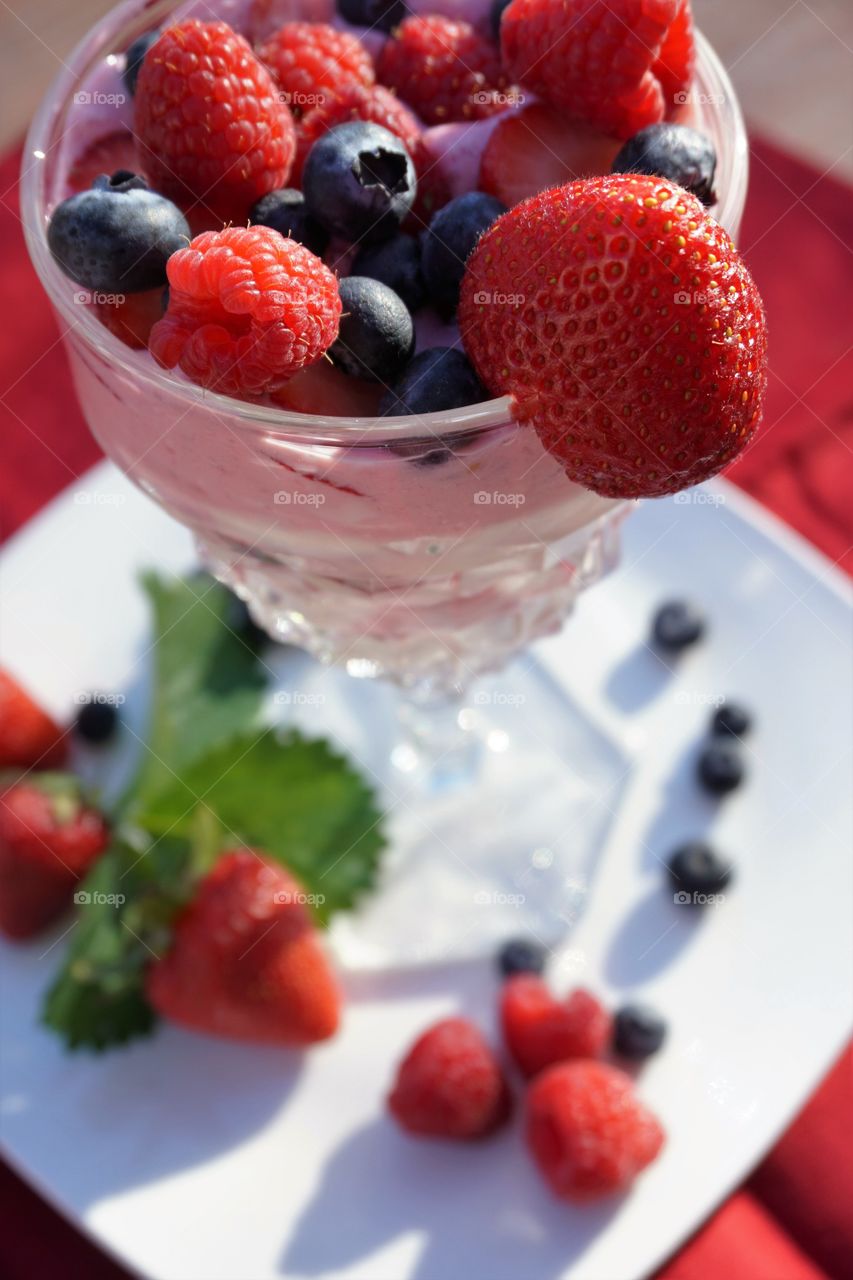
(533, 149)
(135, 56)
(731, 719)
(675, 152)
(116, 151)
(450, 1085)
(131, 318)
(397, 264)
(247, 310)
(697, 873)
(615, 64)
(348, 102)
(377, 336)
(285, 211)
(449, 241)
(520, 955)
(638, 1032)
(209, 120)
(540, 1030)
(625, 325)
(309, 59)
(720, 767)
(434, 381)
(359, 181)
(588, 1132)
(444, 69)
(677, 625)
(29, 737)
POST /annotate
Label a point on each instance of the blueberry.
(285, 212)
(520, 955)
(376, 338)
(696, 872)
(438, 379)
(638, 1031)
(397, 263)
(677, 625)
(497, 12)
(672, 151)
(731, 718)
(448, 241)
(381, 15)
(118, 236)
(359, 181)
(134, 57)
(96, 721)
(720, 768)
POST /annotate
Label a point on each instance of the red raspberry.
(588, 1131)
(310, 59)
(247, 310)
(626, 327)
(597, 60)
(209, 121)
(676, 59)
(540, 1030)
(356, 102)
(450, 1085)
(445, 70)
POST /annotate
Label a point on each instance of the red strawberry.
(210, 124)
(356, 102)
(310, 59)
(597, 60)
(588, 1131)
(48, 840)
(676, 59)
(535, 148)
(104, 155)
(623, 321)
(450, 1085)
(445, 70)
(29, 738)
(247, 310)
(132, 318)
(540, 1030)
(245, 960)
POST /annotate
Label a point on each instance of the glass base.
(504, 842)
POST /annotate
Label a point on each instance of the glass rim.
(119, 27)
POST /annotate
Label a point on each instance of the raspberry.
(310, 59)
(356, 102)
(540, 1030)
(247, 310)
(636, 348)
(611, 63)
(588, 1131)
(449, 1085)
(445, 70)
(209, 121)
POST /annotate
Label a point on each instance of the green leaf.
(207, 682)
(293, 797)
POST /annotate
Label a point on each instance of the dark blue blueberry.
(520, 955)
(397, 263)
(438, 379)
(359, 181)
(720, 768)
(731, 719)
(134, 57)
(118, 236)
(677, 625)
(451, 236)
(497, 12)
(672, 151)
(286, 213)
(697, 872)
(376, 336)
(382, 15)
(97, 721)
(638, 1031)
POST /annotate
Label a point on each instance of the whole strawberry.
(450, 1085)
(444, 69)
(245, 960)
(29, 738)
(615, 64)
(309, 59)
(626, 327)
(588, 1131)
(49, 837)
(209, 120)
(540, 1030)
(248, 308)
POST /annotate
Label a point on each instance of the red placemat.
(792, 1221)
